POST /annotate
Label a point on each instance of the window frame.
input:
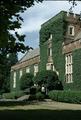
(49, 51)
(51, 66)
(14, 79)
(72, 32)
(27, 69)
(68, 68)
(20, 73)
(36, 69)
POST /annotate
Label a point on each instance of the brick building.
(60, 51)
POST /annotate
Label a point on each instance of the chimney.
(80, 15)
(74, 15)
(68, 14)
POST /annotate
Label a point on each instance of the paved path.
(45, 105)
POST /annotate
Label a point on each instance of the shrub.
(0, 96)
(19, 94)
(26, 81)
(49, 79)
(65, 96)
(32, 97)
(40, 96)
(8, 95)
(13, 95)
(33, 90)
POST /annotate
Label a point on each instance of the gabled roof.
(30, 54)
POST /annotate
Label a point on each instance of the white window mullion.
(27, 70)
(14, 80)
(68, 68)
(35, 69)
(20, 74)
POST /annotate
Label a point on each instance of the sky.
(36, 15)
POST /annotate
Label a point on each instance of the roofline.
(53, 17)
(45, 23)
(24, 61)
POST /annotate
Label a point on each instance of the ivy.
(56, 26)
(76, 85)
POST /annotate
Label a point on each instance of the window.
(68, 68)
(50, 37)
(27, 70)
(71, 30)
(50, 51)
(20, 73)
(50, 66)
(14, 80)
(35, 69)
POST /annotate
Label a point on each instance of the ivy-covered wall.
(17, 81)
(17, 88)
(43, 57)
(56, 28)
(76, 85)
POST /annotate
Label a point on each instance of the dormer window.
(71, 30)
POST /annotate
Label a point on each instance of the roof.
(53, 18)
(30, 54)
(58, 15)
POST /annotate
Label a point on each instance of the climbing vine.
(55, 26)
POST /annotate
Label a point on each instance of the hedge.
(26, 81)
(65, 96)
(12, 95)
(40, 96)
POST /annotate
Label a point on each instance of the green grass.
(40, 114)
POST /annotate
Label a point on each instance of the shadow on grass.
(40, 114)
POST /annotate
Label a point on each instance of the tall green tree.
(6, 63)
(10, 19)
(10, 44)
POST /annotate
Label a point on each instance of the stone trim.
(29, 62)
(71, 46)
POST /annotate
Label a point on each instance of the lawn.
(42, 111)
(40, 114)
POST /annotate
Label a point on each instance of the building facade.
(28, 64)
(60, 51)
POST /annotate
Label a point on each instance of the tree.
(49, 79)
(6, 62)
(10, 19)
(26, 81)
(10, 44)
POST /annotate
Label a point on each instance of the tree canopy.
(10, 19)
(5, 66)
(26, 81)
